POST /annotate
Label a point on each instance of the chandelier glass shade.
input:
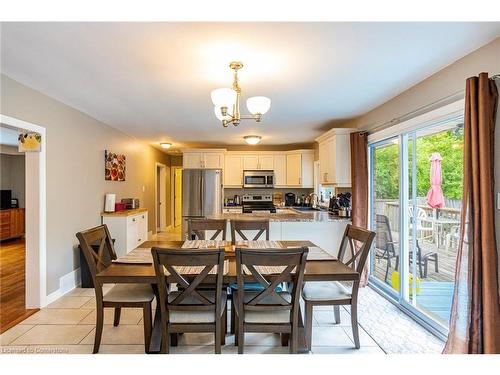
(227, 102)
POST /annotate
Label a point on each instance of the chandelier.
(227, 102)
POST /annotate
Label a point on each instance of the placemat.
(316, 253)
(140, 255)
(205, 244)
(259, 244)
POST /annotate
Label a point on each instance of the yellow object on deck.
(395, 282)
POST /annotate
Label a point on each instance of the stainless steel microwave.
(258, 179)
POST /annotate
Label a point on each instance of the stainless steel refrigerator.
(202, 194)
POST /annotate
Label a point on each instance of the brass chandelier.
(227, 102)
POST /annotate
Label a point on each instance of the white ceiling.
(153, 80)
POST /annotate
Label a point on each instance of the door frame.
(35, 216)
(172, 194)
(162, 198)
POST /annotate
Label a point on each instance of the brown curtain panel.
(359, 179)
(475, 314)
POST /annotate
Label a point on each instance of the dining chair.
(239, 226)
(334, 293)
(190, 309)
(197, 228)
(119, 296)
(269, 310)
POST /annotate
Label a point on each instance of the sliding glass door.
(416, 196)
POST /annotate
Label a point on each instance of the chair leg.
(218, 334)
(294, 339)
(118, 312)
(98, 327)
(223, 327)
(233, 317)
(285, 338)
(165, 339)
(426, 264)
(173, 339)
(147, 326)
(354, 322)
(241, 337)
(336, 313)
(308, 324)
(436, 267)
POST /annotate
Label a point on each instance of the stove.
(258, 203)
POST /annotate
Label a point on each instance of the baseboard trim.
(67, 283)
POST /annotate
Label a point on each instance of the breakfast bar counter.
(282, 215)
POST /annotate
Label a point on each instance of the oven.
(258, 179)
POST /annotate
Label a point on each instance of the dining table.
(128, 270)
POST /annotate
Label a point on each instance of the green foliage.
(448, 143)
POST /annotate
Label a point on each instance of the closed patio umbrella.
(435, 197)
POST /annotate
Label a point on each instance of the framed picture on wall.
(114, 166)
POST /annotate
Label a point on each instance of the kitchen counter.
(283, 215)
(136, 211)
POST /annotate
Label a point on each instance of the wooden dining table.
(316, 270)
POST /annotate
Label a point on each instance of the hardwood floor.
(12, 283)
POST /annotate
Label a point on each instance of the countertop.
(125, 212)
(282, 214)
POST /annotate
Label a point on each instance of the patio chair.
(385, 246)
(424, 227)
(452, 237)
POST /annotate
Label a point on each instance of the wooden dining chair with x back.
(358, 241)
(191, 309)
(198, 227)
(239, 227)
(120, 295)
(269, 310)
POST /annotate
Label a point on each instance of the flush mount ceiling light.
(227, 102)
(252, 139)
(165, 145)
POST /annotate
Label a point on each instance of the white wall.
(75, 170)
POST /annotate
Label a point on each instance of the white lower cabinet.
(129, 229)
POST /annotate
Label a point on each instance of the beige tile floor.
(67, 326)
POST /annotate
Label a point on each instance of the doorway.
(177, 197)
(13, 237)
(160, 197)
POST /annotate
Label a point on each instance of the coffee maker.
(290, 199)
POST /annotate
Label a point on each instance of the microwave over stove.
(258, 179)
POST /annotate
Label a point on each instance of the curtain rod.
(443, 101)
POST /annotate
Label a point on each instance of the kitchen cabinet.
(279, 163)
(203, 159)
(11, 223)
(335, 158)
(256, 162)
(129, 228)
(233, 170)
(299, 169)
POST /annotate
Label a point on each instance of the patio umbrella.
(435, 197)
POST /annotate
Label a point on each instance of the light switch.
(498, 201)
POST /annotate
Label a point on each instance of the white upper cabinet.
(203, 159)
(300, 169)
(256, 161)
(233, 170)
(335, 157)
(279, 170)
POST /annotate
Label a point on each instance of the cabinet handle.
(133, 219)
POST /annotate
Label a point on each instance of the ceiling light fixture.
(227, 102)
(252, 139)
(165, 145)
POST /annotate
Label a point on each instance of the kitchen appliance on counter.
(237, 200)
(258, 179)
(278, 199)
(109, 202)
(202, 194)
(290, 199)
(258, 203)
(131, 203)
(341, 205)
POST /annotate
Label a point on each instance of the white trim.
(172, 195)
(36, 225)
(162, 197)
(442, 113)
(67, 283)
(334, 131)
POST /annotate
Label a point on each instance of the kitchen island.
(320, 227)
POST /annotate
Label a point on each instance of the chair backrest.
(290, 262)
(171, 263)
(384, 234)
(197, 227)
(238, 226)
(358, 241)
(97, 247)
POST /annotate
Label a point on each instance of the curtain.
(359, 179)
(475, 313)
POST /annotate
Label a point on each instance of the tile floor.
(67, 326)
